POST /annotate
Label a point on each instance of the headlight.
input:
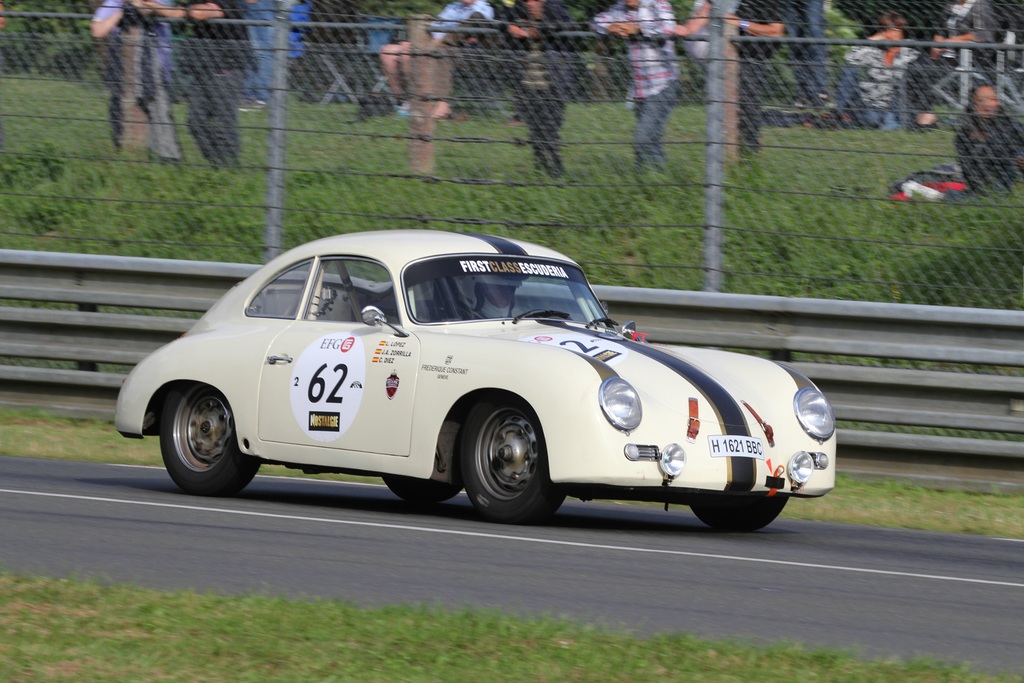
(673, 460)
(620, 403)
(814, 413)
(801, 467)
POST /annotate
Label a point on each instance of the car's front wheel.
(198, 443)
(746, 517)
(504, 463)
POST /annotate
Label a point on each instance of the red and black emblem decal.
(391, 385)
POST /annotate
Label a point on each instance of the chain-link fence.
(160, 140)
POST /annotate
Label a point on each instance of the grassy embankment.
(808, 217)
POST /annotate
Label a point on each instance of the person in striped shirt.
(649, 27)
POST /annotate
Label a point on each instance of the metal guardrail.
(901, 377)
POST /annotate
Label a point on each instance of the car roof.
(396, 248)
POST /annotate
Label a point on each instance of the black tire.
(420, 491)
(198, 443)
(747, 517)
(504, 463)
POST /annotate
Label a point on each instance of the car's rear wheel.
(198, 443)
(420, 491)
(746, 517)
(504, 463)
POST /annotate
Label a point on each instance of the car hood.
(672, 374)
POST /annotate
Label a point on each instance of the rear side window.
(280, 298)
(345, 286)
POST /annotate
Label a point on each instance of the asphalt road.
(876, 593)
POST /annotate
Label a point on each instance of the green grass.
(58, 630)
(808, 217)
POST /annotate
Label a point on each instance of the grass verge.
(60, 630)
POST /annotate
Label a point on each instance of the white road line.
(521, 539)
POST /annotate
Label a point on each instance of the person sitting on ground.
(989, 145)
(967, 21)
(396, 58)
(872, 80)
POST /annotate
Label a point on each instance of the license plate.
(729, 446)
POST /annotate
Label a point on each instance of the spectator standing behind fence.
(216, 56)
(696, 26)
(256, 91)
(396, 58)
(649, 27)
(301, 79)
(149, 70)
(967, 21)
(545, 85)
(806, 19)
(757, 18)
(989, 145)
(509, 12)
(871, 84)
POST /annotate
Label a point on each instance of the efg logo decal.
(324, 422)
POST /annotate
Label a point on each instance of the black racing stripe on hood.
(741, 470)
(801, 379)
(502, 245)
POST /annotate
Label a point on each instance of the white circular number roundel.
(608, 351)
(327, 386)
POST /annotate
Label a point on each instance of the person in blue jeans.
(872, 83)
(806, 19)
(256, 91)
(648, 28)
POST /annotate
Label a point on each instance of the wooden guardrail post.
(428, 81)
(134, 119)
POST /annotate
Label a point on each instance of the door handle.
(274, 360)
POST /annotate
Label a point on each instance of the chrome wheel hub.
(207, 427)
(510, 450)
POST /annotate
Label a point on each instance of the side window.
(347, 285)
(281, 297)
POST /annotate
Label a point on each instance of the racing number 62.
(317, 385)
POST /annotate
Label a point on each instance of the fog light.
(673, 460)
(820, 461)
(801, 466)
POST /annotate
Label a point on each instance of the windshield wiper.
(607, 322)
(541, 313)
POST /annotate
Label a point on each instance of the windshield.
(460, 288)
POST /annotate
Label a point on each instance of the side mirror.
(374, 317)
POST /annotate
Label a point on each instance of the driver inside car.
(494, 296)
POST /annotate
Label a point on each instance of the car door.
(332, 381)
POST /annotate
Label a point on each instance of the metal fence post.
(714, 157)
(276, 132)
